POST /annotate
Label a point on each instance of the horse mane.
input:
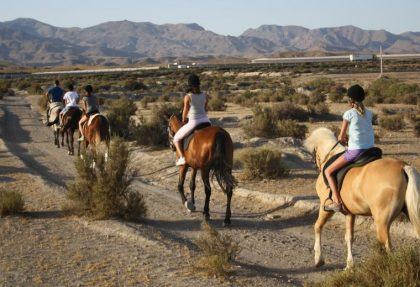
(321, 137)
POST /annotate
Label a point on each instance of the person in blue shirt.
(54, 95)
(358, 121)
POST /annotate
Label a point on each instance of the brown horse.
(211, 152)
(97, 135)
(70, 124)
(381, 189)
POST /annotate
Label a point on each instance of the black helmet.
(356, 93)
(88, 89)
(193, 81)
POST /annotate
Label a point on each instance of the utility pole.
(382, 64)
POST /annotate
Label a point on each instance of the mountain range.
(27, 41)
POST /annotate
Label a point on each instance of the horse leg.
(192, 187)
(349, 239)
(181, 179)
(71, 141)
(323, 216)
(68, 141)
(227, 222)
(205, 173)
(382, 231)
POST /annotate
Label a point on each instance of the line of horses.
(381, 189)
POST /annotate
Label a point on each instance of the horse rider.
(54, 95)
(90, 107)
(194, 113)
(358, 120)
(71, 100)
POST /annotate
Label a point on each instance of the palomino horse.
(96, 132)
(70, 124)
(211, 151)
(381, 189)
(54, 118)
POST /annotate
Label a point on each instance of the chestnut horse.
(382, 189)
(211, 152)
(70, 124)
(97, 135)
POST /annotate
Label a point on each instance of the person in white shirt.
(71, 99)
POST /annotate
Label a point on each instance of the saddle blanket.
(366, 157)
(54, 110)
(94, 116)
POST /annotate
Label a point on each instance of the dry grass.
(11, 202)
(217, 252)
(261, 163)
(399, 268)
(104, 191)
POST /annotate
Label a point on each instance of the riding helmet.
(356, 93)
(193, 81)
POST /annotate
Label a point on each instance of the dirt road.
(44, 247)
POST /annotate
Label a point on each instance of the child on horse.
(71, 99)
(361, 137)
(89, 106)
(195, 110)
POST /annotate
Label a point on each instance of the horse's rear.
(70, 125)
(97, 135)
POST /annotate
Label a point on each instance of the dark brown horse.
(211, 152)
(70, 124)
(96, 132)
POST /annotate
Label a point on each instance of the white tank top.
(197, 106)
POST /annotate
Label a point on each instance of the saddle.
(186, 141)
(92, 117)
(69, 109)
(366, 157)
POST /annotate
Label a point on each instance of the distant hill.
(30, 42)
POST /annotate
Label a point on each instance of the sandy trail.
(276, 251)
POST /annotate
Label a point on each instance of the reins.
(326, 156)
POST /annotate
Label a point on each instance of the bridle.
(315, 155)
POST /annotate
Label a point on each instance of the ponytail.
(360, 108)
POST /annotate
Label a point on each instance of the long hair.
(360, 108)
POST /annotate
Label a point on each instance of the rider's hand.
(342, 138)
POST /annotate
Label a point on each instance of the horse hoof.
(226, 223)
(190, 206)
(320, 263)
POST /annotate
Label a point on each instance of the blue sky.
(227, 17)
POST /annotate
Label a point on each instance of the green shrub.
(288, 111)
(146, 100)
(389, 90)
(217, 252)
(392, 123)
(11, 202)
(262, 124)
(119, 116)
(394, 269)
(104, 191)
(153, 132)
(216, 103)
(133, 85)
(262, 163)
(290, 128)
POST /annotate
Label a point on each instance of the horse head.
(320, 143)
(173, 126)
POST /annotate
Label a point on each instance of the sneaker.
(180, 161)
(82, 138)
(336, 207)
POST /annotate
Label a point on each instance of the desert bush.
(288, 111)
(337, 93)
(389, 90)
(11, 202)
(322, 84)
(262, 163)
(42, 102)
(5, 89)
(133, 85)
(290, 128)
(104, 191)
(417, 128)
(262, 124)
(318, 110)
(217, 252)
(153, 131)
(119, 114)
(398, 268)
(392, 123)
(35, 89)
(217, 103)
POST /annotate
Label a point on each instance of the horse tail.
(412, 197)
(102, 137)
(221, 167)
